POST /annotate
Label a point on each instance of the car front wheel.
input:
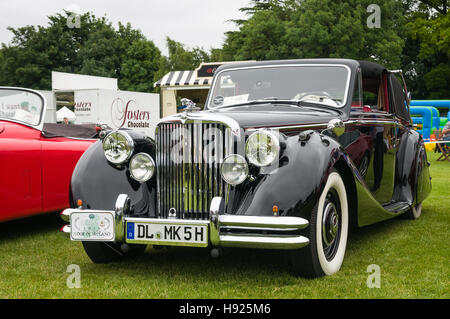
(327, 232)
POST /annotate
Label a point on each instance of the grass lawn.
(413, 257)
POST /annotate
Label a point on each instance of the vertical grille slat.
(187, 180)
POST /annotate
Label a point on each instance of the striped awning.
(182, 78)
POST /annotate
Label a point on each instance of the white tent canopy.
(65, 112)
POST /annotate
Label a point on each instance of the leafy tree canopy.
(413, 35)
(91, 47)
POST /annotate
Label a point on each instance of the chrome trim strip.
(264, 242)
(318, 125)
(216, 221)
(122, 209)
(203, 117)
(208, 101)
(281, 222)
(321, 125)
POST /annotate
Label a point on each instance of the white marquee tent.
(65, 112)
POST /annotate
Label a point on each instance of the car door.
(374, 148)
(20, 171)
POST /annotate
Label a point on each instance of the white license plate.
(92, 226)
(176, 234)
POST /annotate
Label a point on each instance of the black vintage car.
(286, 155)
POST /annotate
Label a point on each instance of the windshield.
(315, 84)
(20, 105)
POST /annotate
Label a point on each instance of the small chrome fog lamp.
(234, 169)
(142, 167)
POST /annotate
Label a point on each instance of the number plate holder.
(190, 233)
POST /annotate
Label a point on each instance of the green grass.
(413, 256)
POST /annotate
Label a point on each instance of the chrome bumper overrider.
(224, 230)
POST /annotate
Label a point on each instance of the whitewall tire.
(327, 232)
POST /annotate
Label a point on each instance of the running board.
(397, 207)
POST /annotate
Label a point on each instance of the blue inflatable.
(435, 103)
(427, 119)
(440, 104)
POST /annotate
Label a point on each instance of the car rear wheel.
(327, 232)
(414, 212)
(102, 252)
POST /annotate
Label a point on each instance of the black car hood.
(274, 115)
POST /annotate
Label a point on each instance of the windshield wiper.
(319, 105)
(263, 101)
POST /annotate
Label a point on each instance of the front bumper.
(224, 230)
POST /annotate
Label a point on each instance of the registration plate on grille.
(182, 233)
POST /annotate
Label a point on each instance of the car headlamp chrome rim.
(142, 167)
(118, 146)
(262, 148)
(234, 169)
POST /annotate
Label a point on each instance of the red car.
(36, 160)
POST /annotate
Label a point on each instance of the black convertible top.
(371, 70)
(70, 130)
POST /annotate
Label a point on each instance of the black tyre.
(327, 232)
(414, 212)
(102, 252)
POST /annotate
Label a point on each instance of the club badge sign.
(128, 114)
(207, 70)
(93, 226)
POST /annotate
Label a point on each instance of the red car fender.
(35, 171)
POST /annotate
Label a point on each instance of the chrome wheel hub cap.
(330, 223)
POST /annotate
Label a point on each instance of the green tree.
(35, 51)
(317, 28)
(180, 58)
(93, 47)
(426, 54)
(106, 49)
(139, 68)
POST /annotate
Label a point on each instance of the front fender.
(295, 185)
(98, 183)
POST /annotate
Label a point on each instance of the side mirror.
(336, 126)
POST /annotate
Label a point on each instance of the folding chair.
(443, 147)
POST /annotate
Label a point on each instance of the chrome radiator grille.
(188, 167)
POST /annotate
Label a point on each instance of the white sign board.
(71, 82)
(118, 109)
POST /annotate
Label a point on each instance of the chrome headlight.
(142, 167)
(262, 148)
(234, 169)
(118, 147)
